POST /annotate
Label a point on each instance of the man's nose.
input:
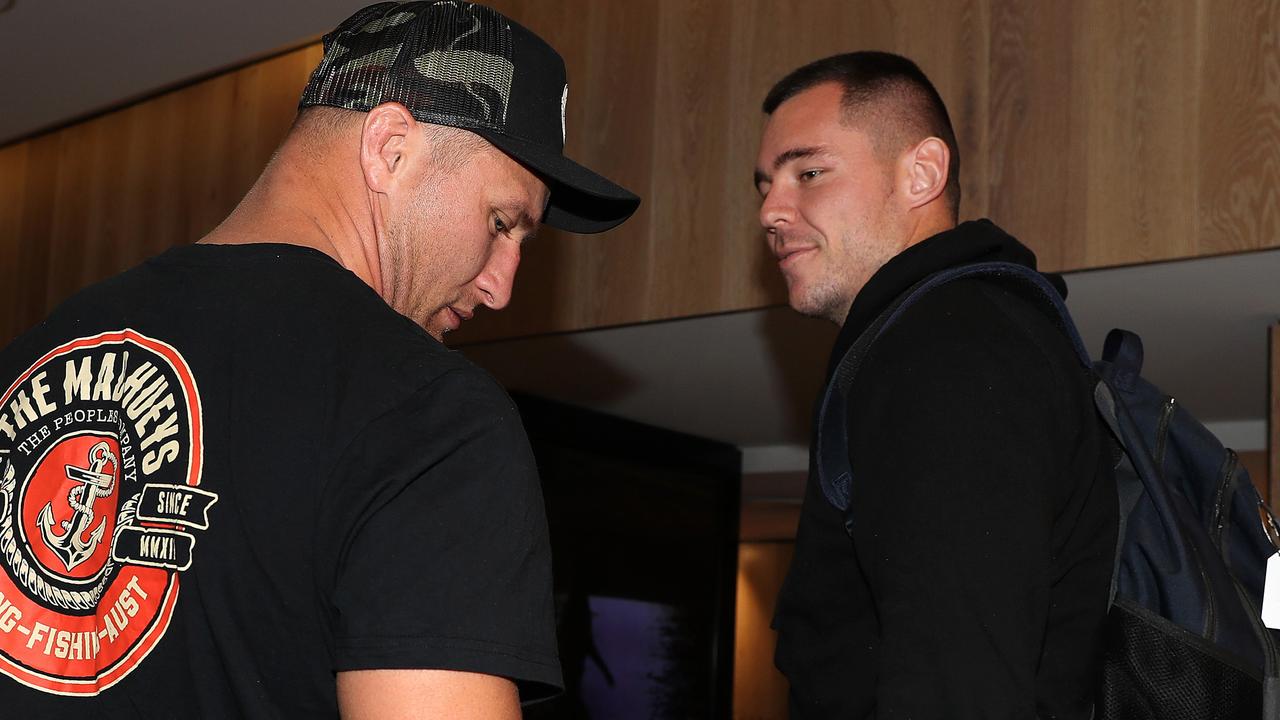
(497, 280)
(776, 209)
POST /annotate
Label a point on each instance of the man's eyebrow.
(785, 157)
(531, 226)
(518, 211)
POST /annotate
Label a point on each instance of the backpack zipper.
(1162, 436)
(1222, 497)
(1162, 431)
(1210, 614)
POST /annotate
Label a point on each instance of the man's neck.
(295, 202)
(918, 228)
(928, 224)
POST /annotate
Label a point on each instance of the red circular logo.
(100, 464)
(69, 509)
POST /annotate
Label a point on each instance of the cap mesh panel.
(447, 62)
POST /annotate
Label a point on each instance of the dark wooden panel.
(15, 272)
(25, 299)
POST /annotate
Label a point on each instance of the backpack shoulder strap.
(831, 443)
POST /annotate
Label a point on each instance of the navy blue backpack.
(1185, 639)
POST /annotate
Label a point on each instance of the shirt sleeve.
(956, 434)
(443, 560)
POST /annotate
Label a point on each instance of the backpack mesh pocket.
(1156, 670)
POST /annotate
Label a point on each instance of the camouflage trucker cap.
(467, 66)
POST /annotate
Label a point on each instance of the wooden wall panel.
(759, 690)
(87, 201)
(13, 173)
(26, 254)
(1239, 150)
(1136, 132)
(1101, 133)
(697, 243)
(693, 85)
(569, 281)
(1026, 138)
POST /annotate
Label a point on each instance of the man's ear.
(384, 140)
(927, 165)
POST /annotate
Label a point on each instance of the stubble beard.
(824, 299)
(830, 292)
(826, 292)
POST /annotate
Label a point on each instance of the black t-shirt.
(985, 513)
(233, 471)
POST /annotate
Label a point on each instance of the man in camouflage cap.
(263, 491)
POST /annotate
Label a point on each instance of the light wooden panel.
(1238, 158)
(1091, 112)
(1090, 130)
(1101, 133)
(759, 690)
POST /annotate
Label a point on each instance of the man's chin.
(441, 322)
(434, 327)
(803, 302)
(817, 305)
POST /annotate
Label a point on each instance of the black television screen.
(644, 532)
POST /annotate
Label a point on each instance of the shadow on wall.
(799, 348)
(555, 366)
(749, 378)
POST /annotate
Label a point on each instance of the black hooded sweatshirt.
(984, 514)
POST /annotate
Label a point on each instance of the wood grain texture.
(1026, 137)
(1135, 135)
(13, 271)
(34, 165)
(1239, 105)
(87, 201)
(569, 281)
(1100, 133)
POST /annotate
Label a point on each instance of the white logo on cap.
(564, 103)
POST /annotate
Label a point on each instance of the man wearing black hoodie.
(973, 581)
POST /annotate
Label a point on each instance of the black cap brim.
(581, 200)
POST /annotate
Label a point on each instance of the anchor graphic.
(69, 546)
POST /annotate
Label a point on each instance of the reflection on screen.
(643, 527)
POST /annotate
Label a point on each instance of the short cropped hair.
(450, 147)
(892, 90)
